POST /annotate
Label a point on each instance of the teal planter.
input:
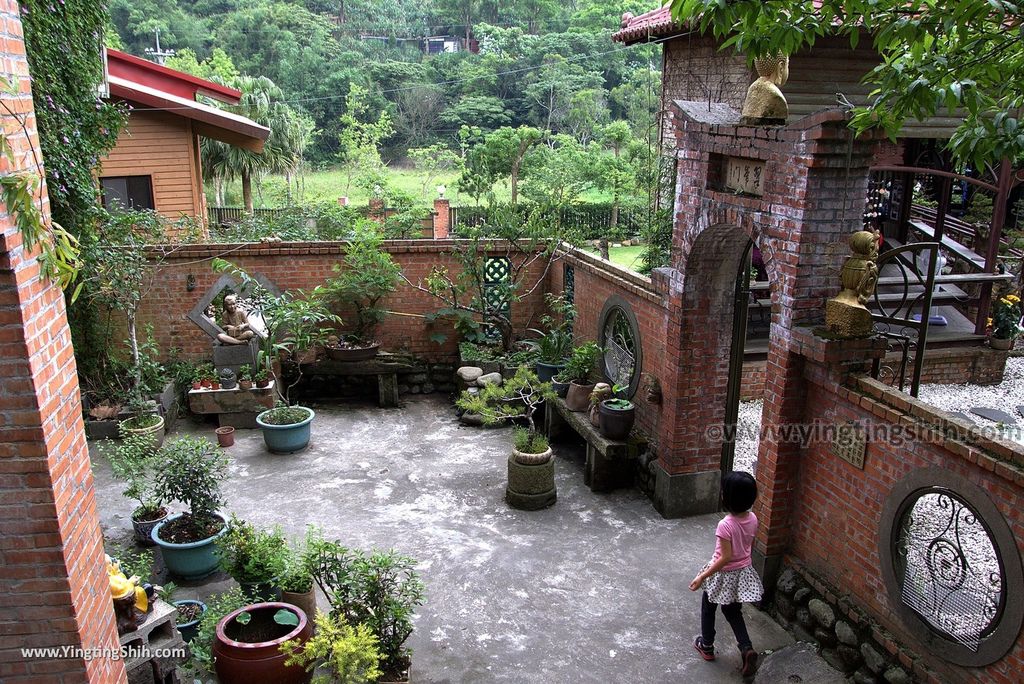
(286, 439)
(189, 561)
(546, 371)
(188, 629)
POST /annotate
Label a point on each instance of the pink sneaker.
(706, 652)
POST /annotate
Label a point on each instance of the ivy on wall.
(63, 40)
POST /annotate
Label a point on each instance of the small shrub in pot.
(577, 373)
(346, 653)
(135, 462)
(254, 558)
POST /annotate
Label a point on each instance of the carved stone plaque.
(850, 444)
(744, 175)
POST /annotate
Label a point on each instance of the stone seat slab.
(994, 415)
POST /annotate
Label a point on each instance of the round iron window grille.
(620, 339)
(950, 563)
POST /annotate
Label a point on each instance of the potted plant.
(366, 275)
(247, 646)
(617, 415)
(342, 652)
(143, 420)
(577, 373)
(380, 590)
(245, 377)
(135, 462)
(554, 345)
(286, 429)
(1005, 322)
(531, 470)
(261, 377)
(217, 607)
(296, 581)
(189, 614)
(193, 472)
(254, 558)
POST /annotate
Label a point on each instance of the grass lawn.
(627, 257)
(328, 185)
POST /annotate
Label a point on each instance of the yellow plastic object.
(121, 586)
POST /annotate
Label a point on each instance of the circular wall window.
(620, 339)
(949, 560)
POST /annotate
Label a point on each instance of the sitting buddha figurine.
(235, 323)
(765, 104)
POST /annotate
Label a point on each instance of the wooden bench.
(384, 367)
(610, 463)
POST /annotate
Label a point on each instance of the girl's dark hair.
(739, 491)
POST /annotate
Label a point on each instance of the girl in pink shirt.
(729, 579)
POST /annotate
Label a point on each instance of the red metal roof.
(177, 83)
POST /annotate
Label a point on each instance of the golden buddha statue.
(765, 104)
(846, 314)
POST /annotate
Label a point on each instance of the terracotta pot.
(250, 653)
(578, 396)
(197, 385)
(595, 415)
(1000, 343)
(215, 385)
(226, 436)
(205, 384)
(305, 601)
(263, 384)
(245, 384)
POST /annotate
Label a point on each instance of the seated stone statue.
(765, 103)
(235, 322)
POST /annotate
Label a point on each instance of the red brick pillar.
(376, 212)
(442, 218)
(53, 583)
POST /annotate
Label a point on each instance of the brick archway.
(814, 181)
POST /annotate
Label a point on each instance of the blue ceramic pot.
(188, 629)
(189, 561)
(286, 439)
(546, 371)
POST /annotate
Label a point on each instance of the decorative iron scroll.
(894, 316)
(948, 567)
(620, 348)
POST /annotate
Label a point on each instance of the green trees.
(493, 156)
(361, 137)
(936, 57)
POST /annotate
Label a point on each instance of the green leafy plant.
(515, 399)
(581, 363)
(349, 654)
(136, 462)
(193, 472)
(133, 561)
(618, 401)
(529, 442)
(285, 415)
(297, 577)
(380, 591)
(366, 275)
(250, 555)
(245, 372)
(217, 607)
(555, 339)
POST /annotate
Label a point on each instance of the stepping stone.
(994, 415)
(797, 663)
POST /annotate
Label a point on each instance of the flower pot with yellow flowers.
(1005, 321)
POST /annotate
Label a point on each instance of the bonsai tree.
(135, 462)
(366, 275)
(516, 399)
(380, 591)
(343, 653)
(294, 321)
(252, 556)
(193, 472)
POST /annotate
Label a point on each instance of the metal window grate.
(497, 278)
(948, 568)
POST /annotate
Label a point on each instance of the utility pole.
(159, 56)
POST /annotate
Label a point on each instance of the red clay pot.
(240, 659)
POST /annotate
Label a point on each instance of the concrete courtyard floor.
(593, 589)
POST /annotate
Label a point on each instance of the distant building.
(156, 163)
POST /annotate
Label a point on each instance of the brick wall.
(53, 583)
(297, 265)
(838, 508)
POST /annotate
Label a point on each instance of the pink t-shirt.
(740, 531)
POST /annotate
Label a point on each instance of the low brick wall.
(304, 265)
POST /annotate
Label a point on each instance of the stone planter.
(528, 459)
(191, 561)
(144, 528)
(245, 654)
(531, 487)
(286, 439)
(156, 431)
(578, 396)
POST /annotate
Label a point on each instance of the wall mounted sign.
(744, 175)
(850, 444)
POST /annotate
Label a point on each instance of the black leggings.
(733, 613)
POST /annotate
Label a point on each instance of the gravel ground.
(1006, 396)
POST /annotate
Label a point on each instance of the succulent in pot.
(135, 462)
(254, 558)
(193, 471)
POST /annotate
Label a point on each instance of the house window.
(127, 192)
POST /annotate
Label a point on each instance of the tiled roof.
(657, 22)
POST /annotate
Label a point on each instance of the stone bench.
(384, 367)
(610, 463)
(236, 407)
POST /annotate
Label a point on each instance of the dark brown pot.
(239, 659)
(578, 396)
(263, 384)
(616, 423)
(345, 354)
